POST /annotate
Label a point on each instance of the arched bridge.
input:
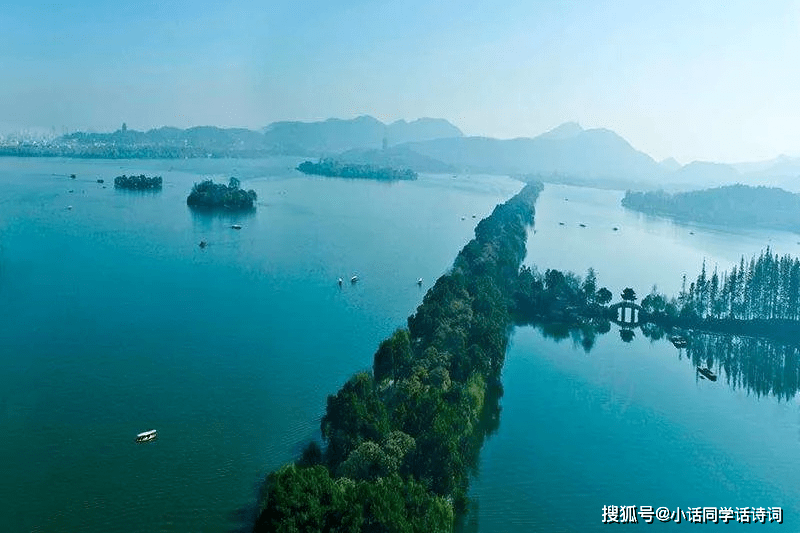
(627, 313)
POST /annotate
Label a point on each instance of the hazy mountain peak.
(566, 130)
(670, 164)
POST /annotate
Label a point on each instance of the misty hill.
(365, 132)
(396, 157)
(732, 205)
(568, 150)
(707, 174)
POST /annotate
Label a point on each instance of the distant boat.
(708, 374)
(147, 436)
(615, 228)
(236, 226)
(203, 244)
(72, 176)
(561, 224)
(464, 218)
(419, 281)
(69, 207)
(100, 180)
(474, 216)
(353, 279)
(582, 225)
(691, 233)
(678, 341)
(340, 282)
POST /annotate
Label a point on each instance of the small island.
(138, 183)
(332, 168)
(210, 195)
(732, 205)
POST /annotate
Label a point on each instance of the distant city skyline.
(695, 81)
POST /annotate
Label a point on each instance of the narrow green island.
(210, 195)
(138, 183)
(332, 168)
(733, 205)
(401, 442)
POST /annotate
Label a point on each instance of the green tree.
(628, 294)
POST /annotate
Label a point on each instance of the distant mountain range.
(567, 153)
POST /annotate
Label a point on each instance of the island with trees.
(210, 195)
(333, 168)
(137, 183)
(401, 441)
(732, 205)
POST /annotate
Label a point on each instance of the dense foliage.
(765, 287)
(333, 168)
(140, 182)
(208, 194)
(402, 440)
(733, 205)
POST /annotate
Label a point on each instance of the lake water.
(632, 423)
(116, 322)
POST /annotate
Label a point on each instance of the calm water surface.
(632, 423)
(115, 322)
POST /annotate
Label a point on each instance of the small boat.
(464, 218)
(100, 180)
(69, 207)
(339, 281)
(678, 341)
(708, 374)
(419, 281)
(72, 176)
(474, 216)
(236, 226)
(561, 224)
(582, 225)
(203, 244)
(147, 436)
(353, 279)
(71, 190)
(615, 228)
(691, 233)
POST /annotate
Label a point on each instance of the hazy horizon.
(711, 82)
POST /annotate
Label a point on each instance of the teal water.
(632, 423)
(116, 322)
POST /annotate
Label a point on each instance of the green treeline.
(765, 287)
(332, 168)
(732, 205)
(208, 194)
(140, 182)
(403, 440)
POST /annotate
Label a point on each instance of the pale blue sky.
(713, 80)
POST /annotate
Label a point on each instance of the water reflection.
(759, 366)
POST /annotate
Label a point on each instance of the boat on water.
(419, 281)
(615, 228)
(678, 341)
(203, 244)
(353, 279)
(582, 225)
(561, 224)
(236, 226)
(339, 281)
(706, 373)
(147, 436)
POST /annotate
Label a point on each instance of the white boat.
(340, 282)
(236, 226)
(353, 279)
(419, 281)
(147, 436)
